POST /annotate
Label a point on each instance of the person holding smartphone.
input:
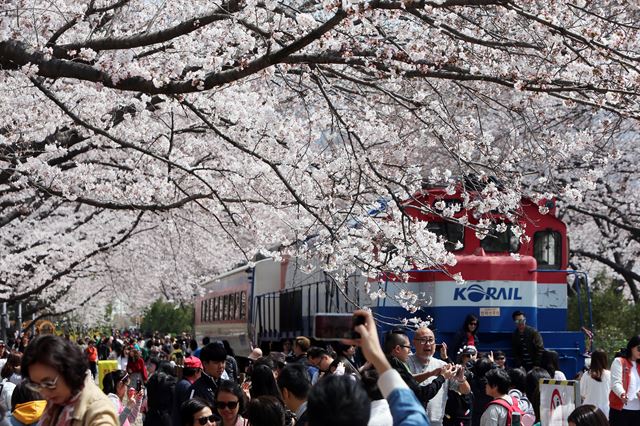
(116, 384)
(426, 369)
(405, 408)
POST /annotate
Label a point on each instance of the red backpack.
(514, 407)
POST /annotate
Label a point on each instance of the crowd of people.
(402, 379)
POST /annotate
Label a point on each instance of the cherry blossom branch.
(146, 39)
(70, 268)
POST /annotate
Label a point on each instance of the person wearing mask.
(57, 369)
(426, 369)
(595, 383)
(526, 342)
(625, 385)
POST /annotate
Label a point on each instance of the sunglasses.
(207, 419)
(473, 323)
(38, 387)
(231, 405)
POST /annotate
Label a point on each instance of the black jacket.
(423, 393)
(534, 344)
(205, 387)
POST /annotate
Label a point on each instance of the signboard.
(492, 293)
(489, 312)
(105, 367)
(557, 400)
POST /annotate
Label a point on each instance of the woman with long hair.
(533, 387)
(58, 370)
(625, 385)
(596, 383)
(115, 384)
(550, 361)
(468, 335)
(160, 395)
(230, 402)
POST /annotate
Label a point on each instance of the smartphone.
(336, 326)
(139, 386)
(438, 347)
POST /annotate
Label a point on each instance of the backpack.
(514, 407)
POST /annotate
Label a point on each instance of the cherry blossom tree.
(129, 128)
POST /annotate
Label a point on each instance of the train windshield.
(547, 249)
(453, 233)
(505, 241)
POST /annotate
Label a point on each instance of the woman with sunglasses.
(58, 370)
(197, 412)
(468, 335)
(115, 384)
(230, 404)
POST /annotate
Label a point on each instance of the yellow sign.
(105, 367)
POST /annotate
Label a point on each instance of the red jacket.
(92, 354)
(614, 400)
(137, 366)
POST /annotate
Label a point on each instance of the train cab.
(518, 263)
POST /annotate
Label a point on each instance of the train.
(521, 268)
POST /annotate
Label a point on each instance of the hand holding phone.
(331, 326)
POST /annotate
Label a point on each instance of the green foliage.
(167, 317)
(615, 318)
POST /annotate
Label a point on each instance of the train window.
(547, 249)
(202, 311)
(210, 310)
(243, 305)
(205, 310)
(452, 232)
(234, 306)
(505, 241)
(217, 307)
(227, 304)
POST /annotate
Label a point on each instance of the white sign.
(489, 312)
(493, 293)
(557, 400)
